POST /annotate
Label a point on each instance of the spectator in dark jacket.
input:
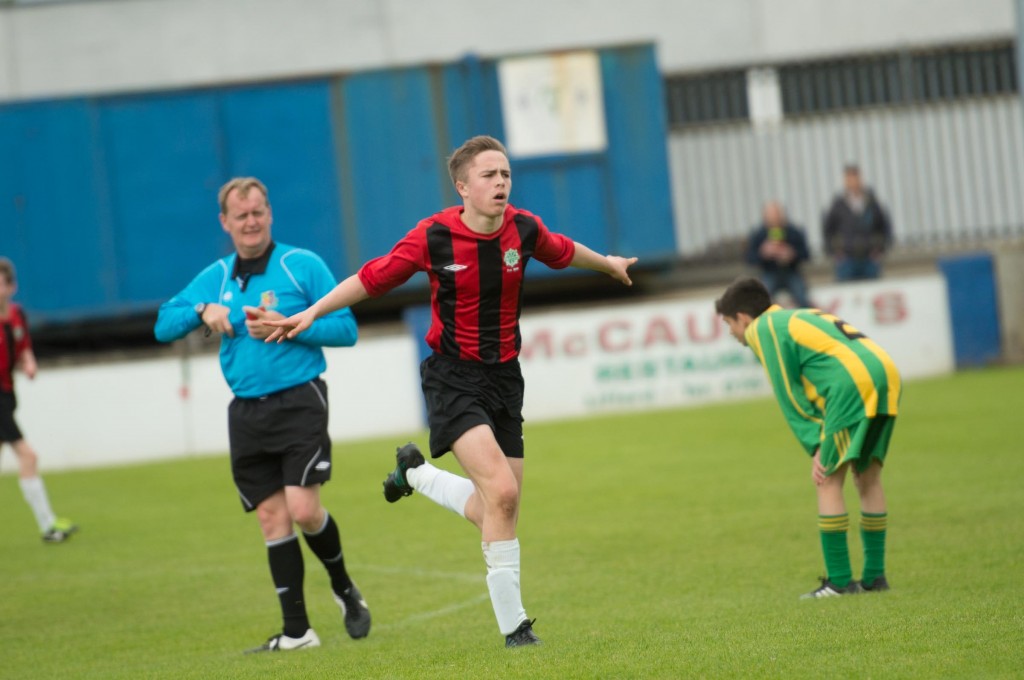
(857, 230)
(778, 247)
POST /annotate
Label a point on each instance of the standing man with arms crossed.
(16, 352)
(840, 393)
(475, 256)
(277, 422)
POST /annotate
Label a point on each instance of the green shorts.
(858, 444)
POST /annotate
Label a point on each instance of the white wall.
(639, 355)
(114, 45)
(136, 410)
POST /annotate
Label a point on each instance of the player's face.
(247, 221)
(488, 184)
(737, 327)
(7, 290)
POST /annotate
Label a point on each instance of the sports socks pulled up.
(872, 534)
(326, 545)
(833, 529)
(502, 558)
(288, 572)
(444, 488)
(34, 491)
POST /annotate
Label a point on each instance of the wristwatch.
(200, 308)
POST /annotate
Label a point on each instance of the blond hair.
(469, 150)
(244, 185)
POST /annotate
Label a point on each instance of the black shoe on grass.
(877, 586)
(396, 485)
(829, 589)
(354, 610)
(523, 635)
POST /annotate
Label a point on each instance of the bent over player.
(475, 256)
(16, 352)
(840, 393)
(277, 422)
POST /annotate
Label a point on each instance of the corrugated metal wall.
(950, 174)
(108, 204)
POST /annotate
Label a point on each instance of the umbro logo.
(456, 267)
(322, 465)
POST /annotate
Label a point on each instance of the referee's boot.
(396, 485)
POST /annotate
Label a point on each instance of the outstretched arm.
(345, 294)
(612, 265)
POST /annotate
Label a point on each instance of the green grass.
(665, 544)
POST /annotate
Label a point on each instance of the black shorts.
(9, 430)
(279, 440)
(463, 394)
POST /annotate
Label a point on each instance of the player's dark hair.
(747, 295)
(469, 150)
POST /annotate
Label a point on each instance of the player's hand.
(28, 365)
(286, 329)
(254, 318)
(618, 266)
(817, 469)
(216, 319)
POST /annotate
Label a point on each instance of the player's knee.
(28, 460)
(306, 514)
(504, 499)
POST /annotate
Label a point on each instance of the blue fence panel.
(52, 213)
(973, 308)
(397, 172)
(284, 135)
(161, 156)
(118, 194)
(637, 153)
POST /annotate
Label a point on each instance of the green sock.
(833, 544)
(872, 534)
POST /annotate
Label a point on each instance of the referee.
(277, 422)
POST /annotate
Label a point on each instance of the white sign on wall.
(677, 353)
(552, 104)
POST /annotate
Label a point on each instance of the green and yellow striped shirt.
(826, 375)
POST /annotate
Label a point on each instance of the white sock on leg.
(502, 558)
(447, 490)
(35, 495)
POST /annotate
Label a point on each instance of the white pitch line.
(417, 572)
(425, 573)
(425, 616)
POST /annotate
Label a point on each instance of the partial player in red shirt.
(16, 353)
(475, 256)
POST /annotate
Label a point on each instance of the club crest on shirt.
(18, 333)
(268, 300)
(512, 259)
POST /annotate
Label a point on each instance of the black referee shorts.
(9, 430)
(463, 394)
(279, 440)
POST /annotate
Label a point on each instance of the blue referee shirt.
(293, 280)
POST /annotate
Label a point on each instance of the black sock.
(288, 571)
(326, 544)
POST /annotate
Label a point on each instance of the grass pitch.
(659, 545)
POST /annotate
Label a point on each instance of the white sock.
(35, 495)
(447, 490)
(502, 558)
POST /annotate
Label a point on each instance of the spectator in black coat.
(857, 230)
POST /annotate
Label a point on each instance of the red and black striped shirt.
(476, 280)
(14, 339)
